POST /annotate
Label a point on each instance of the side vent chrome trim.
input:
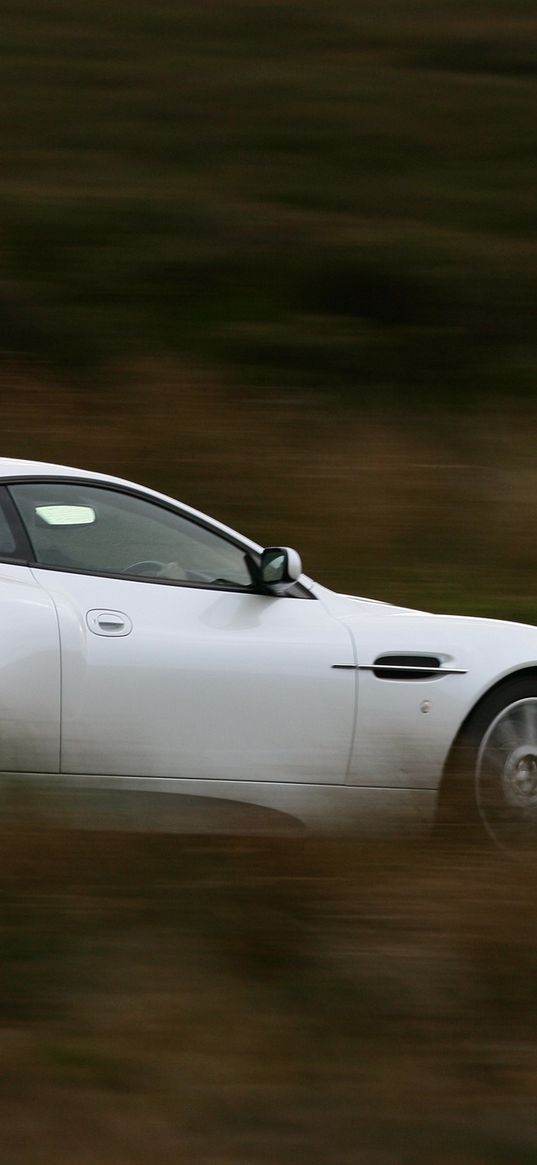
(409, 666)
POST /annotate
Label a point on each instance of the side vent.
(406, 667)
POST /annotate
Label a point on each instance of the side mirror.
(279, 568)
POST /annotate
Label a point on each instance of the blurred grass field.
(279, 259)
(260, 1002)
(336, 197)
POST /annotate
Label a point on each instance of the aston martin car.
(147, 648)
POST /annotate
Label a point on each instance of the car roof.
(17, 467)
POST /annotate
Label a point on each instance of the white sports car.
(147, 646)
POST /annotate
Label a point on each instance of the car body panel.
(161, 804)
(29, 674)
(207, 684)
(405, 728)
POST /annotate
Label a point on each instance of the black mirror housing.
(279, 568)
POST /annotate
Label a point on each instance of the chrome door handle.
(114, 623)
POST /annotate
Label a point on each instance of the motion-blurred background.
(277, 258)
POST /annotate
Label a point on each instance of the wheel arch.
(504, 682)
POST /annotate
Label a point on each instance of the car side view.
(147, 647)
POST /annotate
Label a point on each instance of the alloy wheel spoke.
(507, 734)
(529, 719)
(494, 757)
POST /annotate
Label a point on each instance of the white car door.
(171, 665)
(29, 662)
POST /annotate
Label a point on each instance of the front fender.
(405, 728)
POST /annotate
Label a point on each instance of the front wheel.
(492, 775)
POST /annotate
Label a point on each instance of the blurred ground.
(248, 1001)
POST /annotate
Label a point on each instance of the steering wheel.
(149, 566)
(153, 568)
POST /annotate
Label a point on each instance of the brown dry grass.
(260, 1002)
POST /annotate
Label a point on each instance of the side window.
(104, 531)
(8, 548)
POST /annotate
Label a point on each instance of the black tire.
(490, 785)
